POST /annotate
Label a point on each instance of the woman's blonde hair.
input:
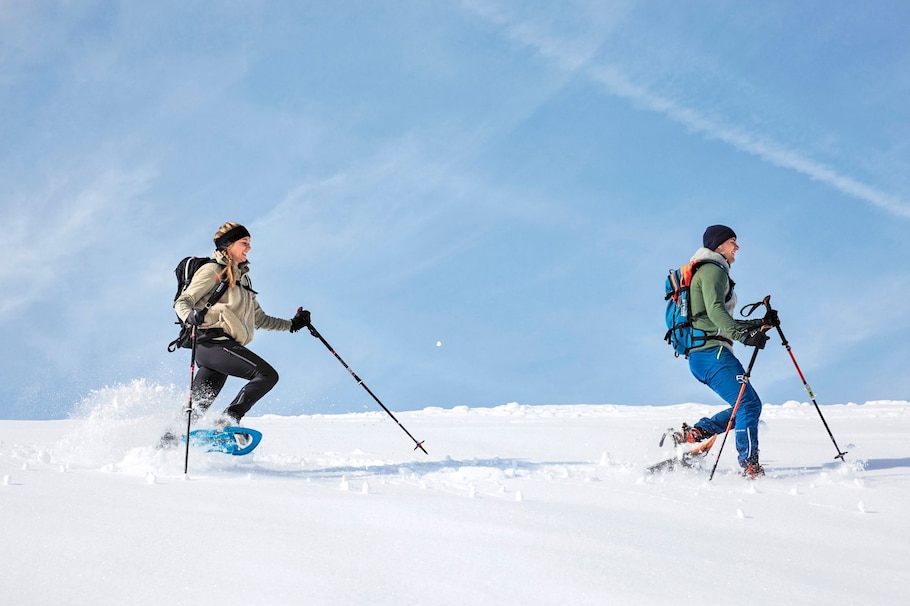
(229, 270)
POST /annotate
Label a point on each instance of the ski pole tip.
(420, 446)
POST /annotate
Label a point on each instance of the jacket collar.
(222, 259)
(705, 254)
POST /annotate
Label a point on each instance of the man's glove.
(300, 320)
(771, 318)
(196, 317)
(756, 338)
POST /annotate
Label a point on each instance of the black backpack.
(184, 271)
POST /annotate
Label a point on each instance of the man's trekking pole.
(360, 382)
(189, 405)
(783, 339)
(739, 398)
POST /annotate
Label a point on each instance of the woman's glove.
(300, 320)
(196, 317)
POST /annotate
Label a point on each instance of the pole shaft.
(786, 344)
(739, 398)
(360, 382)
(189, 406)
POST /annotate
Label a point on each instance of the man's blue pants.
(719, 369)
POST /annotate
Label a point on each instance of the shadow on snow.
(419, 468)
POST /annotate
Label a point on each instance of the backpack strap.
(691, 272)
(705, 338)
(222, 287)
(216, 294)
(184, 330)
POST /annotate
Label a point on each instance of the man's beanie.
(716, 235)
(231, 236)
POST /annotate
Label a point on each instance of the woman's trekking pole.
(360, 382)
(783, 339)
(189, 405)
(739, 398)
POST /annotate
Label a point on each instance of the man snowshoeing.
(712, 303)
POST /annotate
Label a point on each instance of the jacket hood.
(706, 254)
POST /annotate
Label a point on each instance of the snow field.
(514, 504)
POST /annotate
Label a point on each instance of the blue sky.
(509, 179)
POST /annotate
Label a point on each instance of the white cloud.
(753, 143)
(568, 36)
(576, 55)
(51, 230)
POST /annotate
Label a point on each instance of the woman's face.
(239, 249)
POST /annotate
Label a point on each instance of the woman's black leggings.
(218, 360)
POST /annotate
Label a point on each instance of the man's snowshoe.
(686, 435)
(688, 458)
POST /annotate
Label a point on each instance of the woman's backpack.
(184, 271)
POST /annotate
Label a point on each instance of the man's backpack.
(681, 335)
(184, 271)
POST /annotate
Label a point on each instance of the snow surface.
(515, 504)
